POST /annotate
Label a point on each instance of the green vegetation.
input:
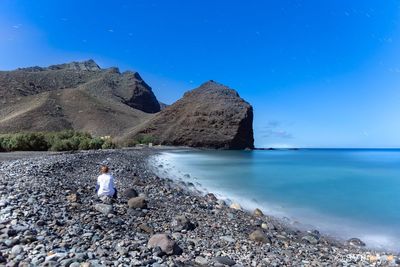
(54, 141)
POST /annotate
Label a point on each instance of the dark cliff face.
(212, 115)
(139, 95)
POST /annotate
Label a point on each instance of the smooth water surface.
(346, 193)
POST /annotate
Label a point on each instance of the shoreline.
(220, 231)
(164, 167)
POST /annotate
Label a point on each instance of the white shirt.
(106, 185)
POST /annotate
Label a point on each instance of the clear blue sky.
(318, 73)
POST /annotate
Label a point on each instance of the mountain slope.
(77, 95)
(128, 87)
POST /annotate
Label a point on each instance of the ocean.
(343, 193)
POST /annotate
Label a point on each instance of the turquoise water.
(345, 193)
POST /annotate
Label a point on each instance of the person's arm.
(97, 185)
(112, 181)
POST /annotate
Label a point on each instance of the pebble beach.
(50, 216)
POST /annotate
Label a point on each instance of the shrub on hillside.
(145, 139)
(55, 141)
(23, 141)
(61, 145)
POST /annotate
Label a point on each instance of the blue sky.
(318, 73)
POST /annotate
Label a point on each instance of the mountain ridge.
(83, 96)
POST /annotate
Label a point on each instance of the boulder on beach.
(235, 206)
(258, 213)
(165, 243)
(130, 193)
(268, 226)
(211, 197)
(355, 242)
(180, 223)
(259, 236)
(137, 203)
(311, 239)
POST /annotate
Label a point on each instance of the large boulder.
(130, 193)
(258, 213)
(355, 242)
(165, 243)
(212, 115)
(259, 236)
(137, 203)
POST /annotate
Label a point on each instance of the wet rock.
(137, 203)
(211, 197)
(221, 203)
(165, 243)
(259, 236)
(258, 213)
(268, 226)
(310, 239)
(235, 206)
(355, 242)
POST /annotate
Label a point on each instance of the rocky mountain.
(212, 115)
(77, 95)
(84, 97)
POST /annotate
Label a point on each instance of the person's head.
(104, 169)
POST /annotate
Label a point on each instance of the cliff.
(212, 115)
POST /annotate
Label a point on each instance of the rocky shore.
(49, 216)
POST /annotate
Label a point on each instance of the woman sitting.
(105, 184)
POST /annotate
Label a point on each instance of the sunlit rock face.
(212, 115)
